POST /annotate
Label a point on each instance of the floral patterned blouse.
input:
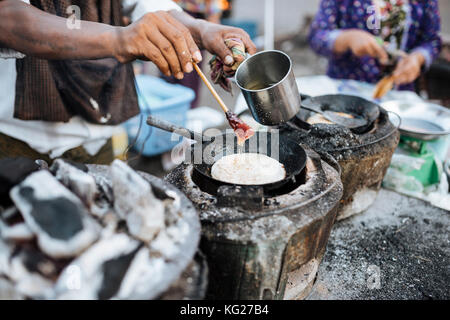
(407, 25)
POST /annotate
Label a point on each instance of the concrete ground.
(398, 249)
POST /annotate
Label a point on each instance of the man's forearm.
(34, 32)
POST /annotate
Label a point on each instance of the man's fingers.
(249, 45)
(168, 52)
(153, 54)
(193, 48)
(224, 53)
(179, 44)
(245, 38)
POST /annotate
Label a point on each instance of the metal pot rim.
(257, 54)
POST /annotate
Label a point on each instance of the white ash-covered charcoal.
(78, 181)
(7, 290)
(16, 232)
(29, 284)
(144, 279)
(58, 218)
(5, 255)
(105, 187)
(99, 272)
(135, 202)
(13, 227)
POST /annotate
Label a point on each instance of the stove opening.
(212, 186)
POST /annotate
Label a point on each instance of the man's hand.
(162, 39)
(213, 36)
(361, 43)
(408, 69)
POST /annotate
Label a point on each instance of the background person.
(344, 31)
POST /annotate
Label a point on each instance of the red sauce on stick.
(242, 130)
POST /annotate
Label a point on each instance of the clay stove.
(265, 247)
(364, 158)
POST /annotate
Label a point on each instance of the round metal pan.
(287, 152)
(421, 120)
(354, 105)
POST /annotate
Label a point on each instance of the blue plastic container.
(163, 100)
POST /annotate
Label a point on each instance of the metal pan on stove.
(354, 105)
(289, 153)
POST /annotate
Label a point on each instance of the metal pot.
(268, 84)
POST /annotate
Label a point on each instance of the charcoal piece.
(99, 271)
(135, 202)
(48, 215)
(114, 271)
(5, 254)
(59, 219)
(78, 165)
(78, 181)
(16, 232)
(28, 283)
(13, 227)
(12, 172)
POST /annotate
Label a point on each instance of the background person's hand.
(162, 39)
(408, 68)
(361, 43)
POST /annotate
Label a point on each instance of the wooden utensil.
(383, 87)
(243, 131)
(211, 88)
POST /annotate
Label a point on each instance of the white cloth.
(55, 138)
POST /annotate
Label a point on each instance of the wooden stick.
(211, 88)
(383, 87)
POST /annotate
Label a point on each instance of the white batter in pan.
(248, 169)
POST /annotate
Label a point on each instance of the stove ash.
(99, 233)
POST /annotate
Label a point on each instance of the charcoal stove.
(364, 157)
(265, 247)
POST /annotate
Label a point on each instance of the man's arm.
(165, 39)
(156, 37)
(34, 32)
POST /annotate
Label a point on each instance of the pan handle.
(170, 127)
